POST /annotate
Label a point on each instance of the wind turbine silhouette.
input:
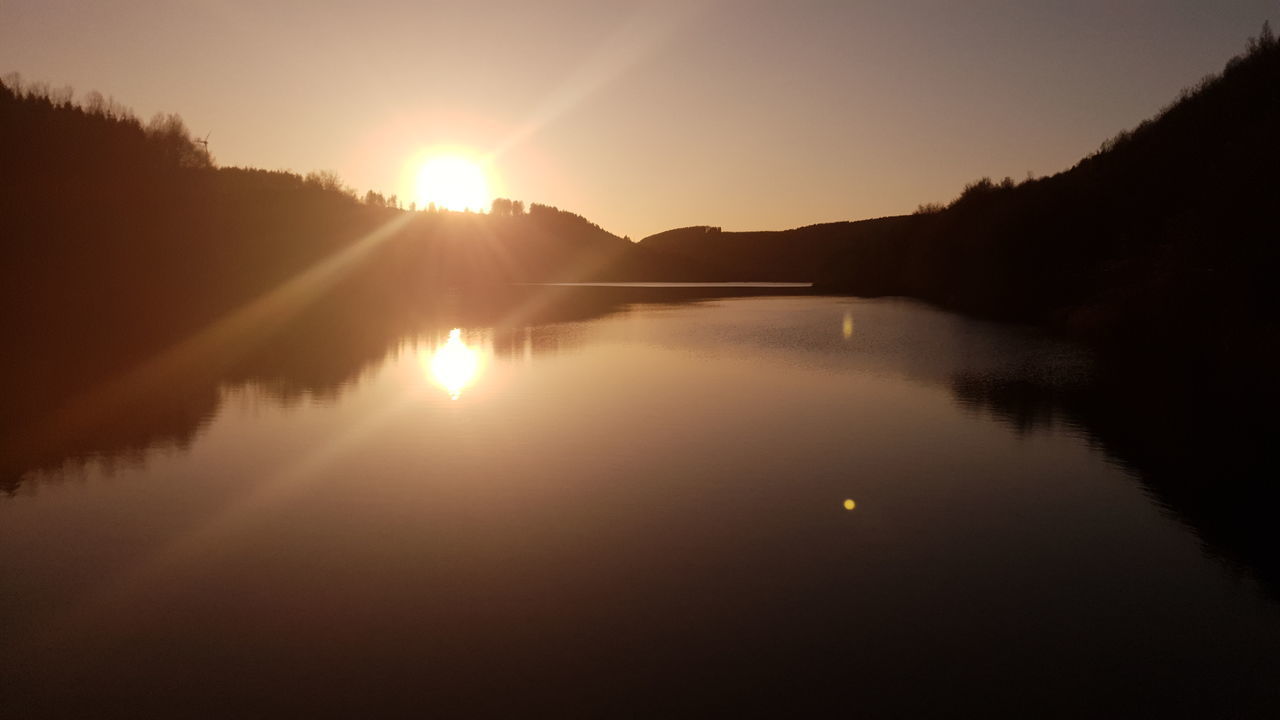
(205, 141)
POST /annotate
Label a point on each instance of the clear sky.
(647, 116)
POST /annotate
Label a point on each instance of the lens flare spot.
(849, 504)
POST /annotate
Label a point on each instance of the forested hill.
(1168, 227)
(106, 215)
(1167, 234)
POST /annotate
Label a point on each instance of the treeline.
(97, 124)
(107, 218)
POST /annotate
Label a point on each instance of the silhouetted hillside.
(107, 219)
(799, 255)
(545, 244)
(92, 195)
(1167, 228)
(1165, 236)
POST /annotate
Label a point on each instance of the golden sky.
(646, 116)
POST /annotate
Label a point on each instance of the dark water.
(639, 512)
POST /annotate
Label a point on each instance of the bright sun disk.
(452, 182)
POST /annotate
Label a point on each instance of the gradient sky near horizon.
(647, 116)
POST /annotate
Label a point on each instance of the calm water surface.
(641, 514)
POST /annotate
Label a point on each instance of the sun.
(452, 181)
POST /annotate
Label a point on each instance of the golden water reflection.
(454, 365)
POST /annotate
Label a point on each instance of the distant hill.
(800, 255)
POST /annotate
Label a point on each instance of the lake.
(676, 507)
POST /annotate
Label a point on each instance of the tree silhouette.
(170, 134)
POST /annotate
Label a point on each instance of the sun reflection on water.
(454, 365)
